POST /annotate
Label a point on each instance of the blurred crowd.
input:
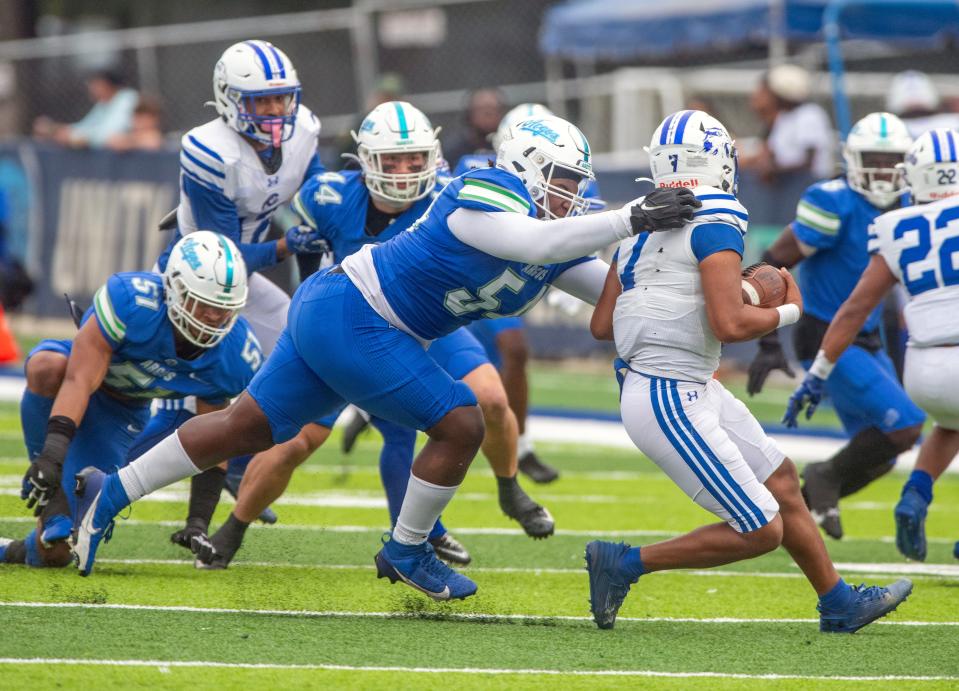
(120, 119)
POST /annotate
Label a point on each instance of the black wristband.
(62, 425)
(60, 431)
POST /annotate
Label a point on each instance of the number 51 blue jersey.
(131, 313)
(433, 283)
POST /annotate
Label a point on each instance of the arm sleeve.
(709, 238)
(516, 237)
(584, 281)
(212, 210)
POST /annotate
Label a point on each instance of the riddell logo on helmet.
(692, 182)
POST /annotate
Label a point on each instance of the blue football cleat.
(955, 550)
(910, 517)
(232, 484)
(868, 604)
(418, 567)
(608, 586)
(95, 517)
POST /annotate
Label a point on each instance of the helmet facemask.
(544, 188)
(877, 175)
(266, 128)
(399, 188)
(182, 309)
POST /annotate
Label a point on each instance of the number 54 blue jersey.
(433, 283)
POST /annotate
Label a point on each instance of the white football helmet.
(205, 269)
(250, 69)
(932, 166)
(690, 149)
(873, 152)
(524, 111)
(912, 91)
(396, 127)
(544, 149)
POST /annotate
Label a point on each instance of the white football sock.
(524, 445)
(422, 505)
(162, 465)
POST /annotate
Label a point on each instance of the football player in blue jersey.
(505, 339)
(829, 238)
(145, 337)
(235, 172)
(490, 245)
(398, 152)
(914, 246)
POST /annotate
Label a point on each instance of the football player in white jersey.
(917, 246)
(670, 301)
(235, 172)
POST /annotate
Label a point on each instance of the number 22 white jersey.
(920, 245)
(659, 324)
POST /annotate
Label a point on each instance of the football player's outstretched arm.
(516, 237)
(732, 320)
(601, 323)
(585, 280)
(787, 250)
(86, 368)
(873, 285)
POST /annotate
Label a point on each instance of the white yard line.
(910, 569)
(887, 539)
(459, 616)
(165, 665)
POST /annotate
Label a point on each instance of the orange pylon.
(9, 352)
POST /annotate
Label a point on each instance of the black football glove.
(770, 357)
(40, 482)
(42, 478)
(664, 208)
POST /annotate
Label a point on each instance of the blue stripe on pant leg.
(657, 411)
(723, 470)
(721, 484)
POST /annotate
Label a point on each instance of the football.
(763, 286)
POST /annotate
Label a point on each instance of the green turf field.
(301, 607)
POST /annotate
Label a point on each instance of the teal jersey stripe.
(495, 189)
(485, 200)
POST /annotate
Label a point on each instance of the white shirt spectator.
(797, 131)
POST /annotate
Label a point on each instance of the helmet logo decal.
(188, 252)
(708, 132)
(540, 129)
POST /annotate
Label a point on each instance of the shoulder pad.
(492, 189)
(206, 157)
(720, 207)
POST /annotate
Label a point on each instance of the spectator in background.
(112, 113)
(15, 283)
(145, 133)
(799, 136)
(914, 98)
(484, 110)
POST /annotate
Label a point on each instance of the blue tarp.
(619, 30)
